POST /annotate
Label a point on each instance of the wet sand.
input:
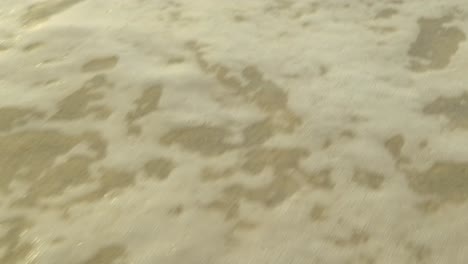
(265, 131)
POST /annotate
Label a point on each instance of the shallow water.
(266, 131)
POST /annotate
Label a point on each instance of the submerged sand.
(249, 131)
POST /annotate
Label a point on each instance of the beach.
(233, 132)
